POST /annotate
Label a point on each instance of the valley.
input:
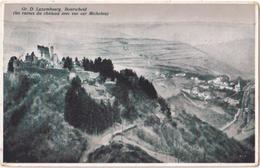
(207, 116)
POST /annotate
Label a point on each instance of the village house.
(180, 75)
(237, 87)
(221, 82)
(231, 101)
(204, 95)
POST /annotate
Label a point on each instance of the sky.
(227, 13)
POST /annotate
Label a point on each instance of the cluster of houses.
(232, 102)
(205, 95)
(222, 82)
(196, 92)
(205, 90)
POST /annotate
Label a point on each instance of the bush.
(165, 107)
(174, 124)
(36, 78)
(23, 86)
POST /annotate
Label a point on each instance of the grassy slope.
(41, 128)
(191, 141)
(34, 126)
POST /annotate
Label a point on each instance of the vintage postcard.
(158, 84)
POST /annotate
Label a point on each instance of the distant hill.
(239, 54)
(213, 41)
(162, 55)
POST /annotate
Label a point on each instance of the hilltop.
(38, 120)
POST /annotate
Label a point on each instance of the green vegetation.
(39, 101)
(105, 67)
(68, 63)
(127, 76)
(83, 112)
(11, 64)
(120, 153)
(165, 108)
(34, 126)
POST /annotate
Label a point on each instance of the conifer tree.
(11, 64)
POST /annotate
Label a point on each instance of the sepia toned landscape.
(135, 92)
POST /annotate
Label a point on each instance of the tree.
(165, 107)
(97, 64)
(68, 63)
(74, 103)
(126, 76)
(11, 64)
(116, 111)
(83, 112)
(130, 112)
(23, 86)
(77, 61)
(147, 87)
(76, 82)
(106, 68)
(87, 64)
